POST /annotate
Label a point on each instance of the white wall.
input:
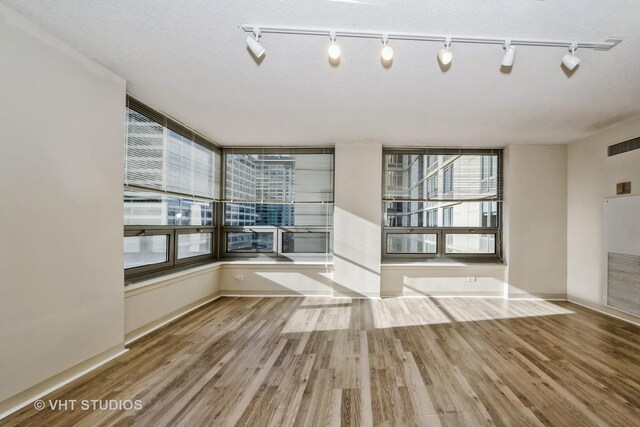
(536, 220)
(244, 278)
(357, 219)
(592, 177)
(149, 305)
(61, 276)
(442, 279)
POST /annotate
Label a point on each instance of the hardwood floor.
(322, 361)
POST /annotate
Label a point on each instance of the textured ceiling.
(189, 59)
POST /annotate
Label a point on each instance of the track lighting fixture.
(570, 60)
(334, 49)
(254, 45)
(387, 51)
(444, 55)
(509, 54)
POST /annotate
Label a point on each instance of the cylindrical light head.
(256, 48)
(445, 56)
(570, 61)
(334, 49)
(387, 53)
(509, 56)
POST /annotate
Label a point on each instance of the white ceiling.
(189, 60)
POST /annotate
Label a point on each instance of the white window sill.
(448, 263)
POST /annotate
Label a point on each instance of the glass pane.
(145, 250)
(412, 243)
(217, 176)
(144, 151)
(179, 163)
(412, 214)
(250, 242)
(441, 214)
(142, 208)
(193, 244)
(441, 177)
(157, 157)
(305, 242)
(279, 178)
(202, 171)
(278, 215)
(470, 244)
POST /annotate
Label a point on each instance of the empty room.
(310, 213)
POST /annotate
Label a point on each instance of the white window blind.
(461, 175)
(284, 177)
(161, 154)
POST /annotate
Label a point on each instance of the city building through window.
(171, 189)
(278, 202)
(442, 203)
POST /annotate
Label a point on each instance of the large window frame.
(173, 263)
(278, 232)
(448, 157)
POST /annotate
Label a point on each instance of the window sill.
(285, 261)
(445, 263)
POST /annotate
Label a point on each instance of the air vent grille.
(623, 147)
(623, 290)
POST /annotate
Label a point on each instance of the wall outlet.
(239, 277)
(471, 279)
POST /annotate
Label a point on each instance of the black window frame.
(449, 156)
(277, 231)
(173, 263)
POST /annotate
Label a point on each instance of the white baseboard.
(537, 296)
(22, 399)
(466, 294)
(164, 320)
(450, 294)
(273, 293)
(608, 311)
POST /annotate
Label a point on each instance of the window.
(278, 202)
(448, 180)
(250, 241)
(442, 203)
(489, 214)
(305, 242)
(144, 250)
(432, 218)
(412, 243)
(447, 216)
(489, 173)
(171, 188)
(194, 244)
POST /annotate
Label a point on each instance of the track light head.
(444, 55)
(570, 60)
(509, 54)
(334, 49)
(387, 51)
(254, 45)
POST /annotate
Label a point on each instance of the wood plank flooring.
(322, 361)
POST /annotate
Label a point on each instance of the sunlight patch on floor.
(311, 319)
